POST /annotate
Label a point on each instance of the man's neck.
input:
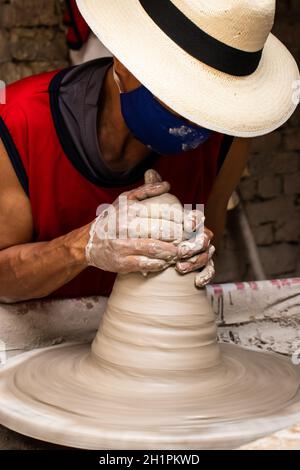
(119, 149)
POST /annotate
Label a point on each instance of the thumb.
(151, 176)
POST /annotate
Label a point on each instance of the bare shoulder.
(15, 210)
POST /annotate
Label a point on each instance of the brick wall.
(271, 193)
(32, 40)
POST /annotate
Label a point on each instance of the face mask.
(156, 127)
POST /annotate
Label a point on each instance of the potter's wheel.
(155, 379)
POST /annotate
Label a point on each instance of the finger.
(143, 264)
(205, 277)
(148, 247)
(148, 190)
(193, 264)
(151, 176)
(199, 242)
(196, 262)
(159, 229)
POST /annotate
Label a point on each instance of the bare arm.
(34, 270)
(31, 270)
(227, 181)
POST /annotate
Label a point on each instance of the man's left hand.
(197, 252)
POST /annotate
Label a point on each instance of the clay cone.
(154, 378)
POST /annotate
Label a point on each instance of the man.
(184, 78)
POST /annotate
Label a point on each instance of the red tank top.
(62, 198)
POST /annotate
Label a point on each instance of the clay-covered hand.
(196, 253)
(120, 236)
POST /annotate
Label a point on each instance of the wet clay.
(154, 378)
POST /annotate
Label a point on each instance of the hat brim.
(239, 106)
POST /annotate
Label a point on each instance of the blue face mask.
(153, 125)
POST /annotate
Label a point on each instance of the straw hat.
(215, 62)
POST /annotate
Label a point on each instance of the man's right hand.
(114, 247)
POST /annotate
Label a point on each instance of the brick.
(40, 67)
(263, 234)
(292, 139)
(275, 210)
(283, 7)
(248, 188)
(282, 258)
(5, 17)
(285, 162)
(295, 119)
(269, 187)
(291, 183)
(4, 48)
(288, 231)
(266, 144)
(10, 72)
(260, 165)
(30, 13)
(230, 266)
(287, 31)
(37, 45)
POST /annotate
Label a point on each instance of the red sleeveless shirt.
(62, 197)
